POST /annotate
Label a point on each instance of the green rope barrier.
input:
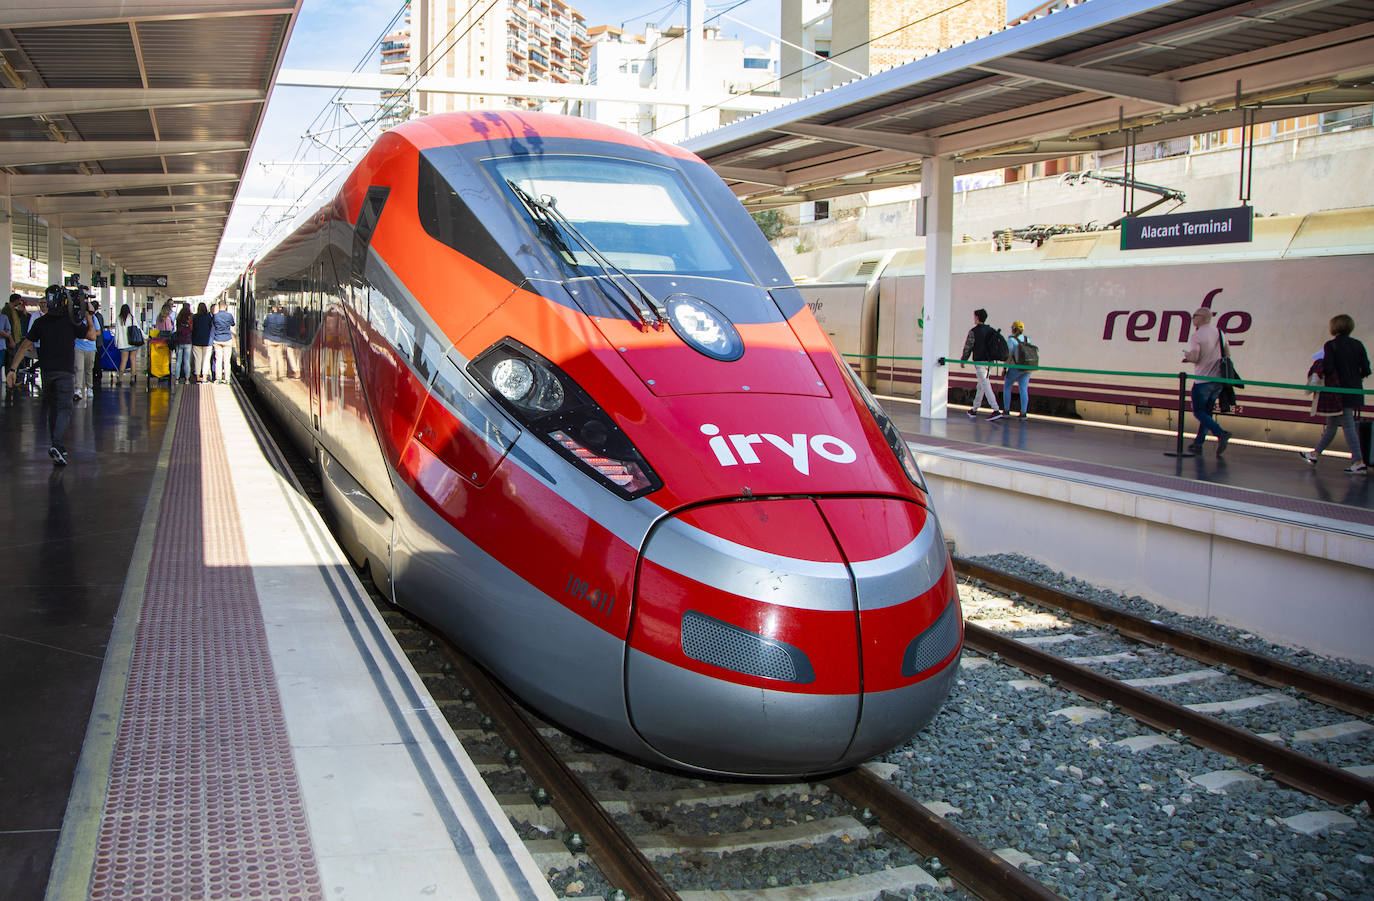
(1312, 389)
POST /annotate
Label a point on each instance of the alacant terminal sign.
(1230, 226)
(144, 281)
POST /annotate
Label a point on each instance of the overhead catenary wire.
(818, 62)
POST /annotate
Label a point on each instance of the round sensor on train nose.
(703, 327)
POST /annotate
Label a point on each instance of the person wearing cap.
(1204, 352)
(55, 334)
(1014, 376)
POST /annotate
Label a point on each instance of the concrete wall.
(1321, 172)
(1293, 579)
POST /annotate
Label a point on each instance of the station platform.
(1256, 538)
(202, 701)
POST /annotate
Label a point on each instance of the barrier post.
(1182, 392)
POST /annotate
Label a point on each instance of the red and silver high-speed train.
(569, 406)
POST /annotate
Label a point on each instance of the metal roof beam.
(45, 206)
(38, 153)
(1098, 81)
(881, 140)
(162, 229)
(72, 221)
(27, 185)
(770, 177)
(66, 101)
(47, 14)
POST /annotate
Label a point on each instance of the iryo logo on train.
(1140, 324)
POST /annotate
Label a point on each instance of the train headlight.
(703, 327)
(556, 409)
(528, 386)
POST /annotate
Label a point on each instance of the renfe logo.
(1141, 323)
(798, 449)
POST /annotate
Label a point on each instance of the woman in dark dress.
(1345, 364)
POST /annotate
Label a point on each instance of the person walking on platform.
(84, 351)
(55, 334)
(1204, 352)
(1345, 364)
(183, 370)
(1014, 376)
(222, 333)
(123, 345)
(202, 324)
(979, 344)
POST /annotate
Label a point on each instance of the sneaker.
(998, 415)
(1224, 440)
(1356, 468)
(77, 396)
(58, 456)
(1309, 457)
(1021, 415)
(972, 413)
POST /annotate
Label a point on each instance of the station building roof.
(1089, 77)
(133, 120)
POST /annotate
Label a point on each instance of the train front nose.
(748, 651)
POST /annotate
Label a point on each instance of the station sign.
(144, 281)
(1229, 226)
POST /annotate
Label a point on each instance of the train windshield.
(638, 217)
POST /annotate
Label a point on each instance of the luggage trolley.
(159, 358)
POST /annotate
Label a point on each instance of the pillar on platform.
(54, 250)
(937, 196)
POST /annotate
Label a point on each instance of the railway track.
(1125, 643)
(1012, 764)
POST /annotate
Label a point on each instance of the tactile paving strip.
(203, 799)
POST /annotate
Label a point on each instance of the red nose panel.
(744, 624)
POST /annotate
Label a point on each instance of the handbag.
(1227, 367)
(135, 335)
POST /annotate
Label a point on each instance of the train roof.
(1324, 233)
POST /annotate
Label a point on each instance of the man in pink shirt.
(1204, 352)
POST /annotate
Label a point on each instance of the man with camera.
(55, 333)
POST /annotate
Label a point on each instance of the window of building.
(755, 62)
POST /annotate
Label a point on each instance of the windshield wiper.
(545, 212)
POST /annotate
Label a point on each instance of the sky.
(337, 35)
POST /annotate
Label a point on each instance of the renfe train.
(1089, 305)
(569, 407)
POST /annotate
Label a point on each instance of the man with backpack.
(1019, 350)
(987, 345)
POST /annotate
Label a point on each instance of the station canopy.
(1092, 77)
(133, 120)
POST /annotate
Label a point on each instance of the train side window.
(367, 224)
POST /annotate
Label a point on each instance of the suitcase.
(159, 360)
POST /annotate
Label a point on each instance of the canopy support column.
(937, 196)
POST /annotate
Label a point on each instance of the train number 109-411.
(582, 590)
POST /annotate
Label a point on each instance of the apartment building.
(510, 40)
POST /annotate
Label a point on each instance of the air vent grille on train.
(709, 640)
(934, 644)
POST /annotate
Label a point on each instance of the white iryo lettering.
(798, 449)
(742, 447)
(718, 445)
(833, 449)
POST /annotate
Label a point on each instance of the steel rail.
(619, 860)
(1267, 670)
(1300, 771)
(970, 863)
